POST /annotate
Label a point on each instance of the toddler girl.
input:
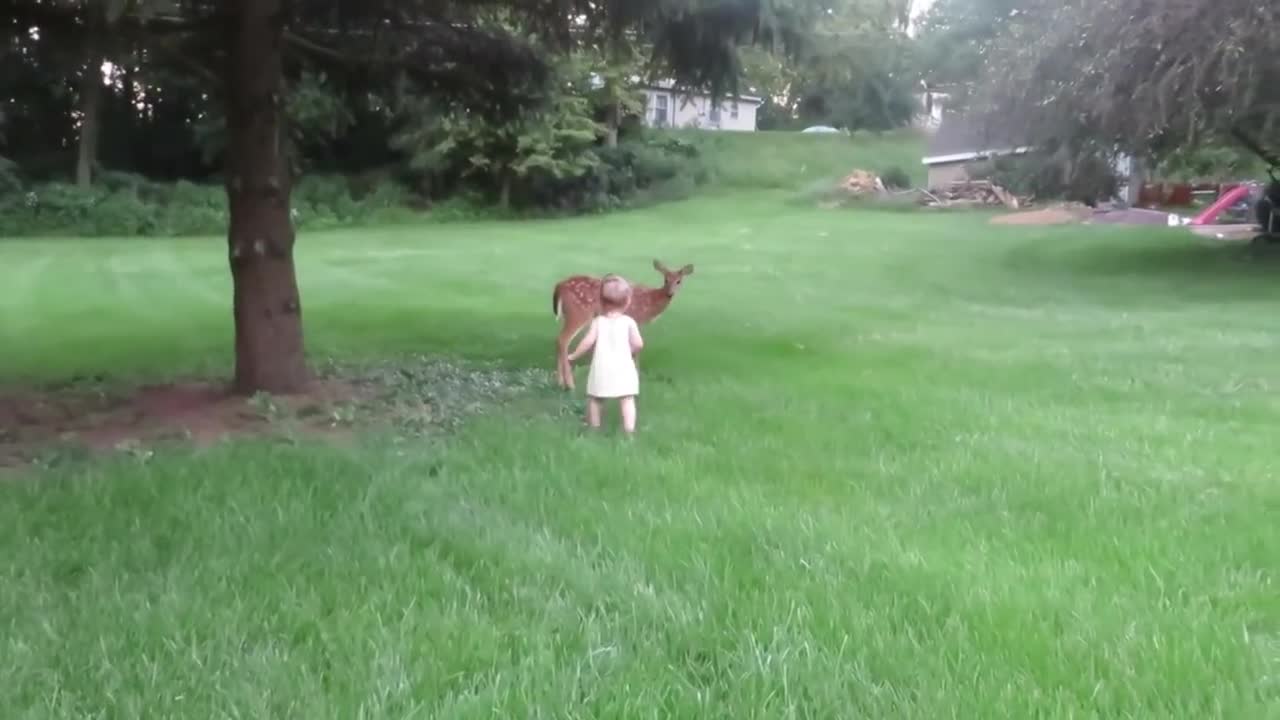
(616, 340)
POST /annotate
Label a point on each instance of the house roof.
(960, 138)
(671, 87)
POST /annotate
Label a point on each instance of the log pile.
(973, 193)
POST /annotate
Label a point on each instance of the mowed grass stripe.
(891, 465)
(25, 276)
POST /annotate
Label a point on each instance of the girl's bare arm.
(588, 341)
(637, 342)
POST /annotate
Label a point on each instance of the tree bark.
(613, 115)
(90, 109)
(611, 124)
(504, 191)
(267, 308)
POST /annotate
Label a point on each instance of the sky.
(919, 7)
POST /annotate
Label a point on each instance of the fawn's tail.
(555, 302)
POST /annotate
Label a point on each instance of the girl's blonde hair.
(615, 292)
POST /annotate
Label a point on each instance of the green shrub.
(124, 205)
(895, 178)
(122, 214)
(1045, 176)
(10, 178)
(1210, 163)
(116, 180)
(322, 191)
(462, 207)
(638, 172)
(64, 205)
(182, 221)
(187, 194)
(385, 195)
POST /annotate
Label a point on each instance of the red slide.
(1224, 201)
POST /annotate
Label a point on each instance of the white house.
(931, 106)
(667, 107)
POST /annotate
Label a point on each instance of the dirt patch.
(1052, 215)
(410, 397)
(200, 413)
(1131, 216)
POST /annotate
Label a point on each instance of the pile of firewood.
(973, 192)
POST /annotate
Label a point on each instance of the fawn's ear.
(686, 270)
(657, 265)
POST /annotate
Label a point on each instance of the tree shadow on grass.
(1153, 264)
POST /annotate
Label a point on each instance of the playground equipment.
(1231, 199)
(1268, 208)
(1267, 205)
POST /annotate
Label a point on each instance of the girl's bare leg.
(593, 413)
(628, 407)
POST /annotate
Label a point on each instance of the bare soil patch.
(196, 412)
(411, 397)
(1052, 215)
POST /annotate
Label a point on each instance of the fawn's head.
(671, 279)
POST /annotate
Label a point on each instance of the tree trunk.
(90, 110)
(613, 116)
(611, 125)
(504, 192)
(1137, 176)
(267, 309)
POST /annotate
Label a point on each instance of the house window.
(660, 111)
(733, 110)
(714, 113)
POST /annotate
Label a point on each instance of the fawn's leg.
(568, 331)
(593, 412)
(628, 407)
(564, 371)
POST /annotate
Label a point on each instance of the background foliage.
(523, 106)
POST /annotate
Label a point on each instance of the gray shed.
(961, 142)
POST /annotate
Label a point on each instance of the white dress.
(613, 369)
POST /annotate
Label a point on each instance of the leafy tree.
(1095, 75)
(553, 140)
(955, 39)
(771, 76)
(316, 113)
(243, 53)
(859, 79)
(855, 70)
(611, 89)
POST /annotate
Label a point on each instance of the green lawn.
(891, 466)
(790, 160)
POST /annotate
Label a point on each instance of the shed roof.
(962, 137)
